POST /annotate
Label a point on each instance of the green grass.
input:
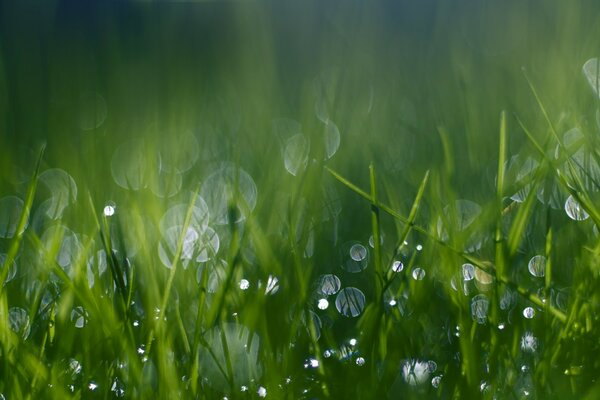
(335, 201)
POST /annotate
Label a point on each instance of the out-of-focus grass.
(339, 200)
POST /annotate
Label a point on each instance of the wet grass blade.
(23, 219)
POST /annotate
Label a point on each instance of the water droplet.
(574, 210)
(229, 185)
(175, 216)
(507, 299)
(322, 304)
(332, 139)
(350, 302)
(436, 380)
(311, 363)
(118, 388)
(295, 154)
(79, 317)
(358, 252)
(12, 269)
(528, 312)
(360, 361)
(11, 208)
(355, 257)
(329, 284)
(352, 342)
(520, 171)
(418, 274)
(272, 285)
(479, 308)
(262, 392)
(18, 320)
(537, 266)
(74, 367)
(208, 245)
(592, 74)
(397, 266)
(529, 342)
(415, 372)
(109, 210)
(92, 386)
(468, 271)
(419, 247)
(244, 284)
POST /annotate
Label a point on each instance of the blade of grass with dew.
(23, 219)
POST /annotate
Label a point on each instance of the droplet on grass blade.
(397, 266)
(332, 139)
(591, 70)
(207, 245)
(574, 210)
(355, 257)
(168, 246)
(418, 274)
(79, 317)
(479, 308)
(244, 284)
(62, 189)
(329, 284)
(468, 271)
(229, 185)
(529, 343)
(11, 208)
(272, 285)
(18, 320)
(528, 312)
(322, 304)
(96, 266)
(358, 252)
(12, 269)
(350, 302)
(415, 372)
(175, 216)
(295, 154)
(537, 266)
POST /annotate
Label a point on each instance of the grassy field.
(300, 200)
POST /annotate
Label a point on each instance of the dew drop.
(418, 274)
(528, 312)
(350, 302)
(397, 266)
(574, 210)
(322, 304)
(537, 266)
